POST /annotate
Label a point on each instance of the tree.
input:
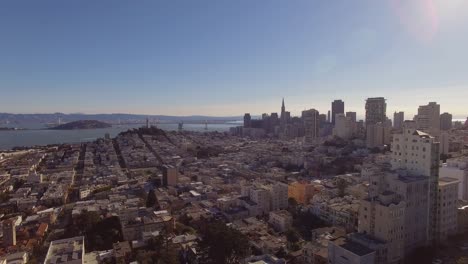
(292, 236)
(293, 206)
(281, 253)
(341, 184)
(4, 197)
(151, 199)
(223, 245)
(303, 222)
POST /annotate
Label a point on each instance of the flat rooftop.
(353, 247)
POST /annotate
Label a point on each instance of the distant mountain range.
(55, 118)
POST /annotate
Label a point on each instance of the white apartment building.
(458, 169)
(414, 191)
(70, 250)
(417, 153)
(383, 217)
(268, 197)
(447, 223)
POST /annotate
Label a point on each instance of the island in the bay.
(82, 124)
(10, 128)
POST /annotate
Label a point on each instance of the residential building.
(170, 175)
(379, 246)
(15, 258)
(445, 121)
(337, 108)
(377, 132)
(398, 119)
(70, 251)
(444, 139)
(9, 233)
(343, 250)
(267, 197)
(345, 127)
(377, 135)
(352, 116)
(428, 118)
(136, 221)
(462, 217)
(458, 169)
(281, 220)
(376, 110)
(447, 209)
(383, 217)
(311, 122)
(417, 153)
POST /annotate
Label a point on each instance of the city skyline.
(226, 58)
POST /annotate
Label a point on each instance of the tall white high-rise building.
(383, 217)
(417, 153)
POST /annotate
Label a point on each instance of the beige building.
(383, 217)
(280, 220)
(428, 118)
(447, 208)
(377, 135)
(268, 197)
(417, 153)
(345, 127)
(444, 140)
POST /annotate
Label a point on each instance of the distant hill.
(82, 124)
(6, 118)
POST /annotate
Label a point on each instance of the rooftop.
(447, 180)
(65, 250)
(353, 247)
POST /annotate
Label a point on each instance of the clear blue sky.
(226, 57)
